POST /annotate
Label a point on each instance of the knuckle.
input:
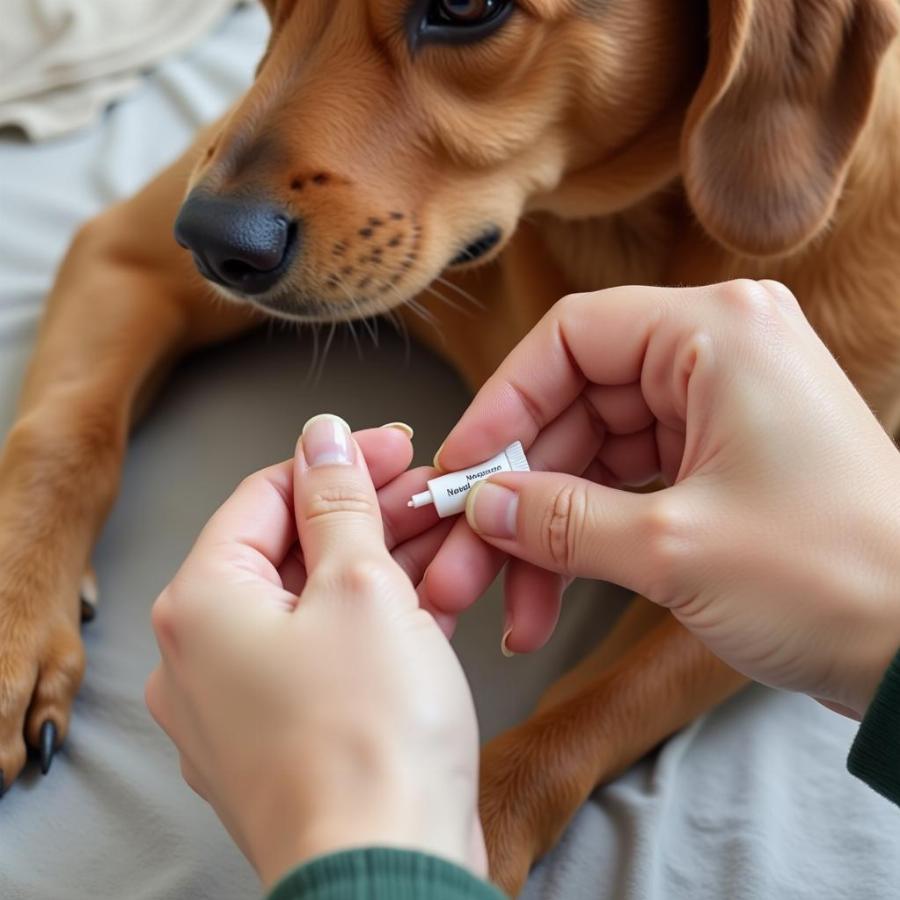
(362, 577)
(563, 526)
(782, 296)
(569, 310)
(163, 618)
(749, 299)
(666, 545)
(326, 502)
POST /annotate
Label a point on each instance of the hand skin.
(776, 541)
(315, 706)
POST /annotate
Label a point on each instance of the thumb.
(576, 527)
(336, 507)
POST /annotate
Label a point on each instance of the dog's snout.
(238, 243)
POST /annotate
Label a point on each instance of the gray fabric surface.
(750, 802)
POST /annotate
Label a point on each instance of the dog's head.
(387, 140)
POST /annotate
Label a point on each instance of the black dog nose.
(236, 242)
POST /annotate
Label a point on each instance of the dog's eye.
(456, 21)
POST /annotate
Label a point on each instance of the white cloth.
(64, 61)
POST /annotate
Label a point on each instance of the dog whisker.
(321, 367)
(310, 373)
(463, 293)
(446, 300)
(349, 319)
(399, 326)
(360, 315)
(426, 316)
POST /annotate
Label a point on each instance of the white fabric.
(63, 61)
(752, 802)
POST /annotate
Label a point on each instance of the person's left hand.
(314, 704)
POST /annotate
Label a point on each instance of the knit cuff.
(875, 754)
(382, 874)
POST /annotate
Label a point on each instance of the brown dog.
(385, 141)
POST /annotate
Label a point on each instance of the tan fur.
(613, 144)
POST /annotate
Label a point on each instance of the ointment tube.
(448, 492)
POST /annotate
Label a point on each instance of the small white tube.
(448, 492)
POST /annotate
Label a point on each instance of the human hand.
(314, 704)
(776, 543)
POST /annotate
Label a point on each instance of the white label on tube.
(449, 492)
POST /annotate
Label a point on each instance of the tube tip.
(419, 500)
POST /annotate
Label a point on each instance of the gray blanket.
(750, 802)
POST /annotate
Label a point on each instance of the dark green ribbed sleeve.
(875, 755)
(382, 874)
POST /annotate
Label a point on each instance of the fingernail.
(437, 458)
(504, 643)
(491, 510)
(327, 442)
(401, 426)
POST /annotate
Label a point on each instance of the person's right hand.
(777, 540)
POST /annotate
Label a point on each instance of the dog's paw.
(528, 796)
(41, 666)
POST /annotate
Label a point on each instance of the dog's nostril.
(234, 270)
(239, 244)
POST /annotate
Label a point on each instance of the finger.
(401, 526)
(465, 566)
(415, 555)
(255, 525)
(670, 443)
(621, 408)
(259, 515)
(598, 338)
(445, 621)
(570, 442)
(633, 459)
(461, 572)
(574, 527)
(293, 571)
(388, 451)
(335, 503)
(401, 523)
(533, 600)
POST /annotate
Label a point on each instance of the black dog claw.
(48, 745)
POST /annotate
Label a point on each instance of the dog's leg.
(126, 303)
(650, 678)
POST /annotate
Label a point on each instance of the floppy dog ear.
(768, 137)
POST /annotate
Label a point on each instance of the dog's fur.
(612, 141)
